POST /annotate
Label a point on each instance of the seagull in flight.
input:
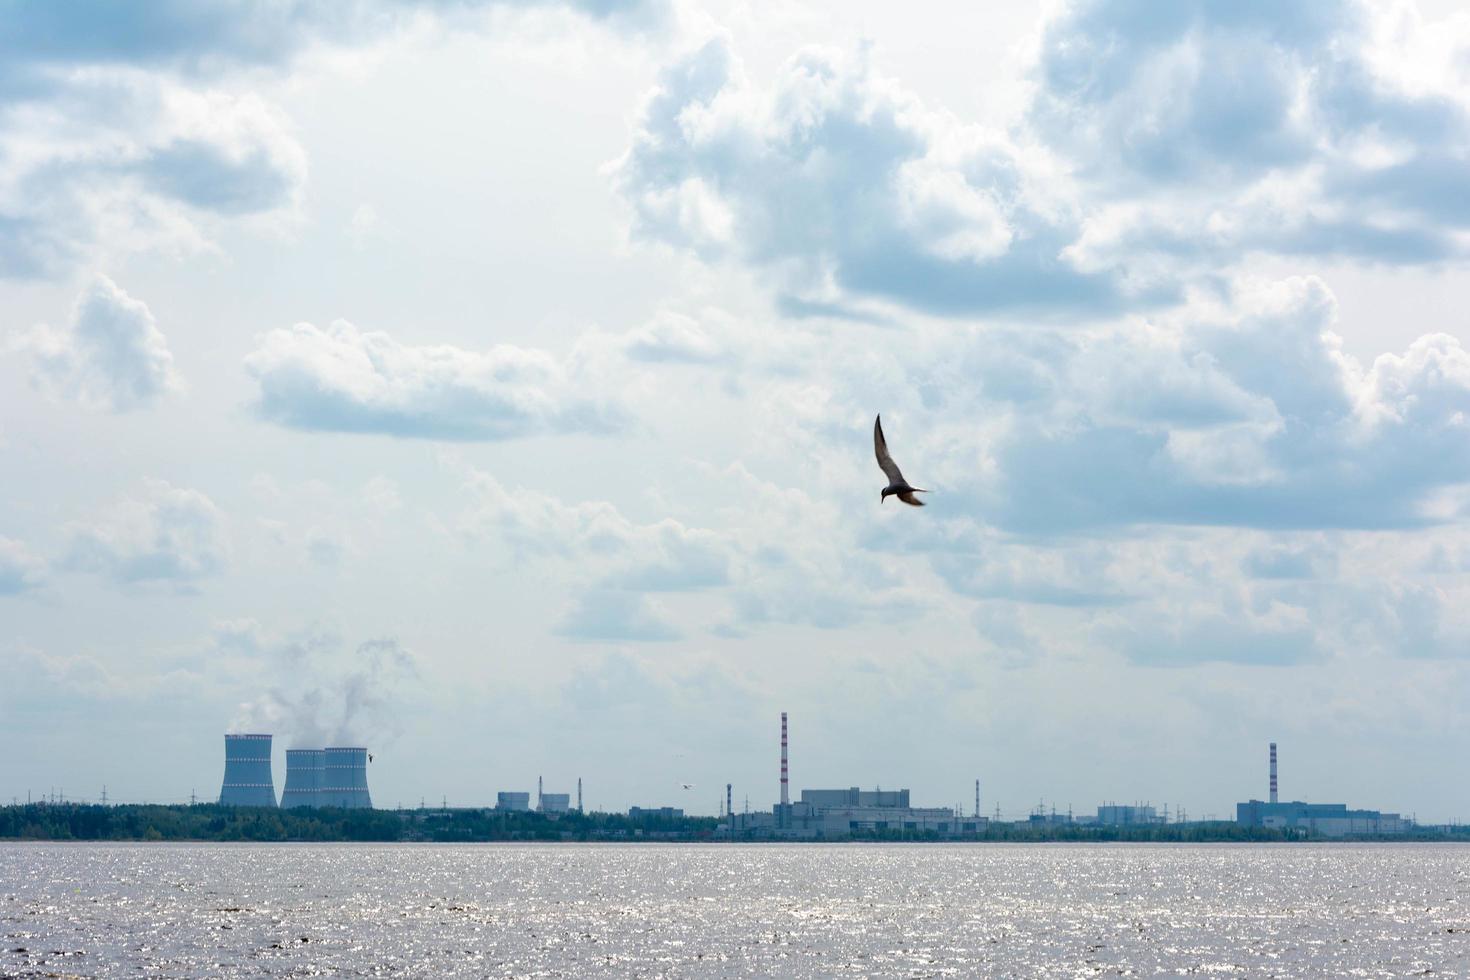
(897, 485)
(687, 785)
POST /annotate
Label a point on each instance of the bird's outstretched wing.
(908, 497)
(885, 461)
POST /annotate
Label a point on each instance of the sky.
(492, 384)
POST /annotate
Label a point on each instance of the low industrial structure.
(518, 802)
(1324, 819)
(1124, 815)
(655, 813)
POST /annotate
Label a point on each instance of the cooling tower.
(303, 778)
(248, 772)
(344, 779)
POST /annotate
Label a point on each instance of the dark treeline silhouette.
(209, 822)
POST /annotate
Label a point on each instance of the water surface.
(609, 910)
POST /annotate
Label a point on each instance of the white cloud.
(344, 380)
(168, 534)
(1208, 131)
(837, 179)
(134, 128)
(111, 355)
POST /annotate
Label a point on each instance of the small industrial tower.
(247, 772)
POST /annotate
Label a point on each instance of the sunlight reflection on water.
(105, 910)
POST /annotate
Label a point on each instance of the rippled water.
(1055, 910)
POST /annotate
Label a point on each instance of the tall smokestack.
(785, 793)
(1273, 772)
(538, 793)
(729, 799)
(579, 795)
(977, 799)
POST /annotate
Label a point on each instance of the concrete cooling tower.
(248, 772)
(344, 779)
(303, 777)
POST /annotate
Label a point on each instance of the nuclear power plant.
(336, 777)
(247, 772)
(330, 777)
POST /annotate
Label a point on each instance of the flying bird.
(687, 785)
(897, 485)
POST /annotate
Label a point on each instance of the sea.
(734, 910)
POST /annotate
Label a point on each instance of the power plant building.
(556, 802)
(1325, 819)
(519, 802)
(247, 779)
(837, 813)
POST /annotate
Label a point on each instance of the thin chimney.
(1273, 772)
(785, 792)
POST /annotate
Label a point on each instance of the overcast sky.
(492, 384)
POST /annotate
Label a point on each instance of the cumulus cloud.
(341, 379)
(138, 158)
(20, 571)
(1209, 130)
(1242, 413)
(111, 355)
(166, 534)
(840, 182)
(136, 125)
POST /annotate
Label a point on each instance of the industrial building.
(247, 779)
(835, 813)
(1119, 815)
(655, 813)
(556, 802)
(518, 802)
(1325, 819)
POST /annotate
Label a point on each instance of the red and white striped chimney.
(785, 792)
(1273, 772)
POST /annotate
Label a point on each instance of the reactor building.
(247, 779)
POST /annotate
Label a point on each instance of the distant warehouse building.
(1326, 819)
(655, 813)
(1117, 815)
(556, 802)
(839, 813)
(513, 801)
